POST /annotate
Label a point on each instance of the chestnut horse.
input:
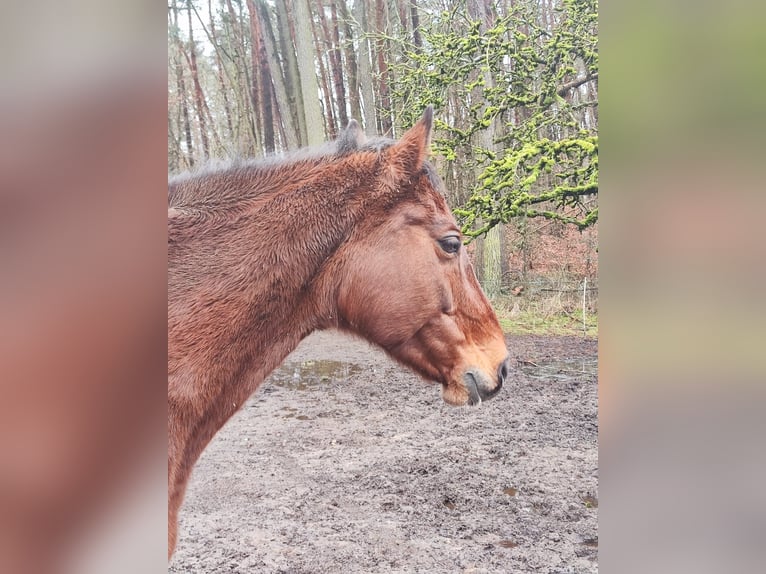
(356, 237)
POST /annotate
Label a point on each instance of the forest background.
(515, 88)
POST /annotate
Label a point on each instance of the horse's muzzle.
(480, 388)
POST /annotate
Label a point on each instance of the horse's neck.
(259, 284)
(262, 269)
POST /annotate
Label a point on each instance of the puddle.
(561, 370)
(308, 375)
(290, 412)
(510, 491)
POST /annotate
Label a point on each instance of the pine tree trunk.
(337, 67)
(307, 70)
(220, 72)
(403, 15)
(384, 109)
(287, 123)
(199, 98)
(399, 27)
(209, 119)
(182, 94)
(321, 45)
(415, 17)
(365, 67)
(249, 107)
(292, 78)
(189, 155)
(261, 81)
(351, 62)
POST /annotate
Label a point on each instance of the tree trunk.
(280, 90)
(209, 29)
(492, 263)
(492, 245)
(321, 45)
(365, 67)
(182, 94)
(247, 104)
(337, 67)
(381, 45)
(220, 72)
(307, 70)
(199, 98)
(397, 13)
(351, 62)
(261, 81)
(189, 155)
(415, 17)
(290, 65)
(403, 15)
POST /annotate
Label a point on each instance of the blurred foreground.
(82, 294)
(682, 334)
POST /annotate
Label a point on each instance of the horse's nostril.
(502, 371)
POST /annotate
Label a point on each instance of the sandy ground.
(346, 462)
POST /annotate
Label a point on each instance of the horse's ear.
(409, 153)
(350, 139)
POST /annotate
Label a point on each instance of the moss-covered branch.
(538, 84)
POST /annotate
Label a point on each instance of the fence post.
(584, 289)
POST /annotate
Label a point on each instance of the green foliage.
(511, 185)
(511, 111)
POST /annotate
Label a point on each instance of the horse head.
(405, 281)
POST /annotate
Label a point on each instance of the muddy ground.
(346, 462)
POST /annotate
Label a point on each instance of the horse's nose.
(503, 370)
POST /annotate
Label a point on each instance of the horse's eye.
(451, 243)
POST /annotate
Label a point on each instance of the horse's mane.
(223, 183)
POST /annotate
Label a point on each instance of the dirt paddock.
(346, 462)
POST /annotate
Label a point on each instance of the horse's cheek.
(365, 310)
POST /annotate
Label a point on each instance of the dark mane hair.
(229, 182)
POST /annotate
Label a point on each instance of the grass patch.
(551, 304)
(536, 320)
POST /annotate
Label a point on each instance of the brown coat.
(357, 237)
